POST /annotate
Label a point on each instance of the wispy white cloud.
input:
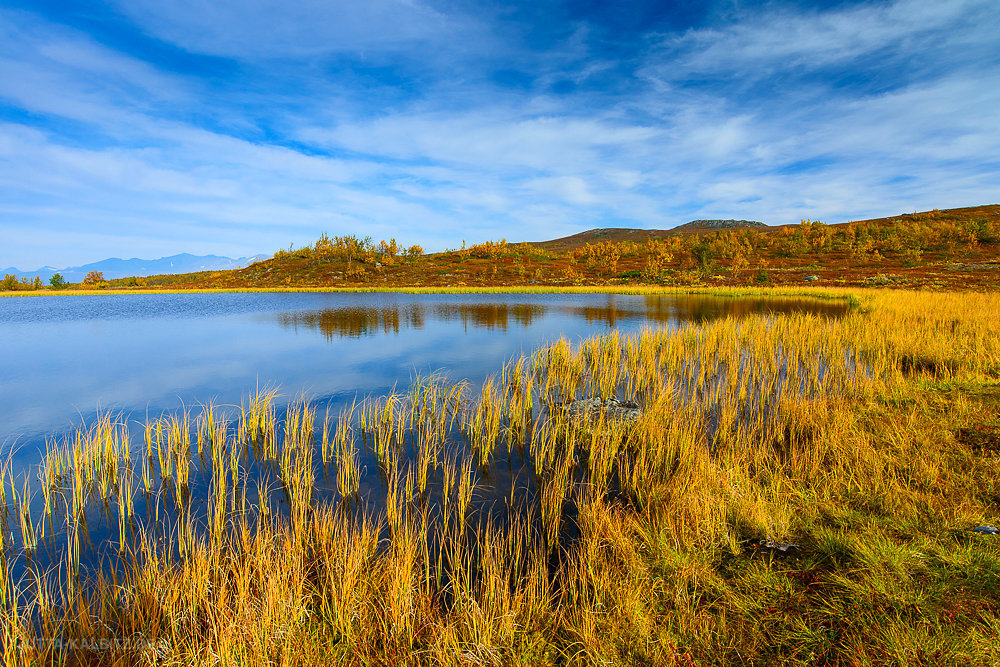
(55, 70)
(784, 39)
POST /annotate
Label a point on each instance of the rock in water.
(591, 409)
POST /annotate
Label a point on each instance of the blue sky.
(146, 128)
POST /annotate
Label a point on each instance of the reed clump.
(345, 453)
(791, 491)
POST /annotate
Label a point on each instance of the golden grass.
(653, 542)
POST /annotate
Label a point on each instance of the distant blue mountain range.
(121, 268)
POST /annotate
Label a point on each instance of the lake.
(66, 357)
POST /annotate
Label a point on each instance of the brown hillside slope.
(952, 215)
(619, 234)
(946, 249)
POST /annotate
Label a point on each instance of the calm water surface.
(63, 358)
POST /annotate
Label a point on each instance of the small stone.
(985, 530)
(590, 409)
(812, 278)
(779, 546)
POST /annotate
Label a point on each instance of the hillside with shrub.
(938, 249)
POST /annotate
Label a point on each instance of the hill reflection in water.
(360, 321)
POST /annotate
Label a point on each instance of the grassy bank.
(786, 291)
(796, 490)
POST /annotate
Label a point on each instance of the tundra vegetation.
(949, 249)
(11, 283)
(957, 248)
(796, 489)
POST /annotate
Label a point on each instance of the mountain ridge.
(617, 234)
(116, 267)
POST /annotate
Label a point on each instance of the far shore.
(849, 294)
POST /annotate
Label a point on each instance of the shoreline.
(820, 292)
